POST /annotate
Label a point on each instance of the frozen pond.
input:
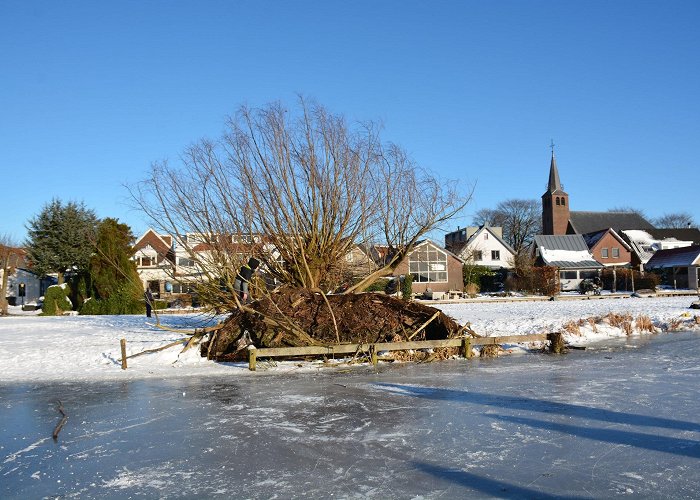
(593, 424)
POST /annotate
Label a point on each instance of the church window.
(563, 201)
(558, 202)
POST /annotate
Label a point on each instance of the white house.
(482, 246)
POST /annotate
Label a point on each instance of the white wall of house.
(32, 286)
(487, 250)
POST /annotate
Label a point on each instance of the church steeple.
(554, 183)
(555, 203)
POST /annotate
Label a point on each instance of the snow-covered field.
(35, 348)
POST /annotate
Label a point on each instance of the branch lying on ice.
(61, 423)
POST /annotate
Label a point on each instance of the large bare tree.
(675, 220)
(520, 219)
(298, 188)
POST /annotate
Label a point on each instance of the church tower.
(555, 203)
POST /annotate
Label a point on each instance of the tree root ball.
(299, 317)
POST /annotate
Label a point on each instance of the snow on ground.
(37, 348)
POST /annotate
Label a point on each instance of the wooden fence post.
(467, 347)
(556, 345)
(373, 354)
(122, 342)
(252, 358)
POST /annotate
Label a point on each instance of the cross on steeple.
(551, 145)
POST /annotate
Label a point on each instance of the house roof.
(675, 257)
(161, 243)
(592, 239)
(568, 251)
(682, 234)
(591, 222)
(457, 249)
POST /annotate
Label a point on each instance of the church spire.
(554, 183)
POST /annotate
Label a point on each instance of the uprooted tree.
(299, 189)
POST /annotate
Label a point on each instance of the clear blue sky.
(92, 92)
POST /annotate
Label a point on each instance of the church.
(558, 219)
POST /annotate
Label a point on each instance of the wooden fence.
(465, 345)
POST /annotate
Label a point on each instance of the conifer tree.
(60, 238)
(111, 267)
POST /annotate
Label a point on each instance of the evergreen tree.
(111, 267)
(61, 238)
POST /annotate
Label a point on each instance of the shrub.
(378, 286)
(407, 287)
(475, 274)
(56, 301)
(122, 301)
(625, 278)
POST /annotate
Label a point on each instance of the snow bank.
(36, 348)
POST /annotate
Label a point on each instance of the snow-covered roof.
(645, 245)
(675, 257)
(567, 251)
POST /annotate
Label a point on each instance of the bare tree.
(10, 256)
(297, 190)
(629, 209)
(675, 220)
(520, 219)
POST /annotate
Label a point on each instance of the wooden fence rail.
(331, 350)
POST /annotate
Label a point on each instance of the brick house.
(433, 268)
(609, 248)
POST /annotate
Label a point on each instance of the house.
(481, 246)
(644, 244)
(433, 268)
(677, 266)
(155, 261)
(570, 255)
(33, 286)
(609, 248)
(558, 219)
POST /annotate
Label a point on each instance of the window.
(568, 275)
(478, 255)
(585, 275)
(182, 288)
(148, 261)
(604, 253)
(428, 265)
(495, 255)
(563, 201)
(558, 202)
(186, 262)
(616, 252)
(486, 236)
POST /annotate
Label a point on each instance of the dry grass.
(619, 320)
(490, 351)
(674, 324)
(572, 327)
(697, 320)
(643, 323)
(592, 321)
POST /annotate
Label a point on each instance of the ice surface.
(615, 420)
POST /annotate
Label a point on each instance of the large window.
(185, 262)
(478, 255)
(568, 275)
(495, 255)
(428, 265)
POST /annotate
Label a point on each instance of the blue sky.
(92, 92)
